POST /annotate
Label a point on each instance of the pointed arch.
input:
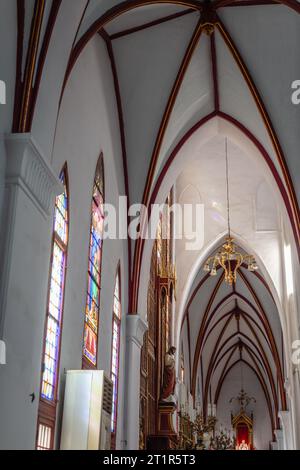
(92, 307)
(115, 353)
(54, 319)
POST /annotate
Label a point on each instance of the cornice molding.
(136, 327)
(27, 168)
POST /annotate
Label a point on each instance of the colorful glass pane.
(94, 268)
(55, 300)
(61, 216)
(99, 180)
(91, 314)
(90, 344)
(115, 352)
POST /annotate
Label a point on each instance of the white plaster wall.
(88, 125)
(24, 324)
(267, 38)
(8, 41)
(231, 387)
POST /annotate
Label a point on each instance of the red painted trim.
(80, 23)
(267, 121)
(245, 315)
(272, 340)
(276, 409)
(257, 144)
(216, 324)
(213, 357)
(201, 282)
(251, 3)
(215, 71)
(263, 361)
(189, 345)
(111, 15)
(231, 348)
(201, 333)
(110, 52)
(265, 323)
(19, 60)
(155, 154)
(150, 24)
(261, 279)
(227, 297)
(261, 381)
(293, 4)
(289, 198)
(274, 172)
(42, 59)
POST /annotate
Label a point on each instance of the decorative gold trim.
(31, 63)
(208, 28)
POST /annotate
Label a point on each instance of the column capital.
(136, 327)
(27, 168)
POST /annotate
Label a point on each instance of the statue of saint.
(169, 378)
(243, 445)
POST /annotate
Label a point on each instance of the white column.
(279, 439)
(135, 330)
(30, 189)
(274, 445)
(287, 429)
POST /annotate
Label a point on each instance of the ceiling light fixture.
(228, 257)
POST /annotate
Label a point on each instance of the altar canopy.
(243, 428)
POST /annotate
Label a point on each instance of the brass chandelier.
(228, 257)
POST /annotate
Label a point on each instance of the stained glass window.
(56, 296)
(115, 355)
(55, 302)
(91, 325)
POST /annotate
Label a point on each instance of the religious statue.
(243, 445)
(169, 378)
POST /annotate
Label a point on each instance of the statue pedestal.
(165, 419)
(166, 437)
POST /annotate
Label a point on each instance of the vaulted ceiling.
(176, 64)
(225, 326)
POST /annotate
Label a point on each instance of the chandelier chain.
(227, 187)
(228, 257)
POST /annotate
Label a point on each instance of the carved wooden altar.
(161, 293)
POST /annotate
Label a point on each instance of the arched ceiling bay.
(254, 211)
(163, 28)
(226, 325)
(147, 62)
(167, 74)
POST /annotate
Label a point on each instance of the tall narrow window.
(91, 324)
(53, 326)
(115, 356)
